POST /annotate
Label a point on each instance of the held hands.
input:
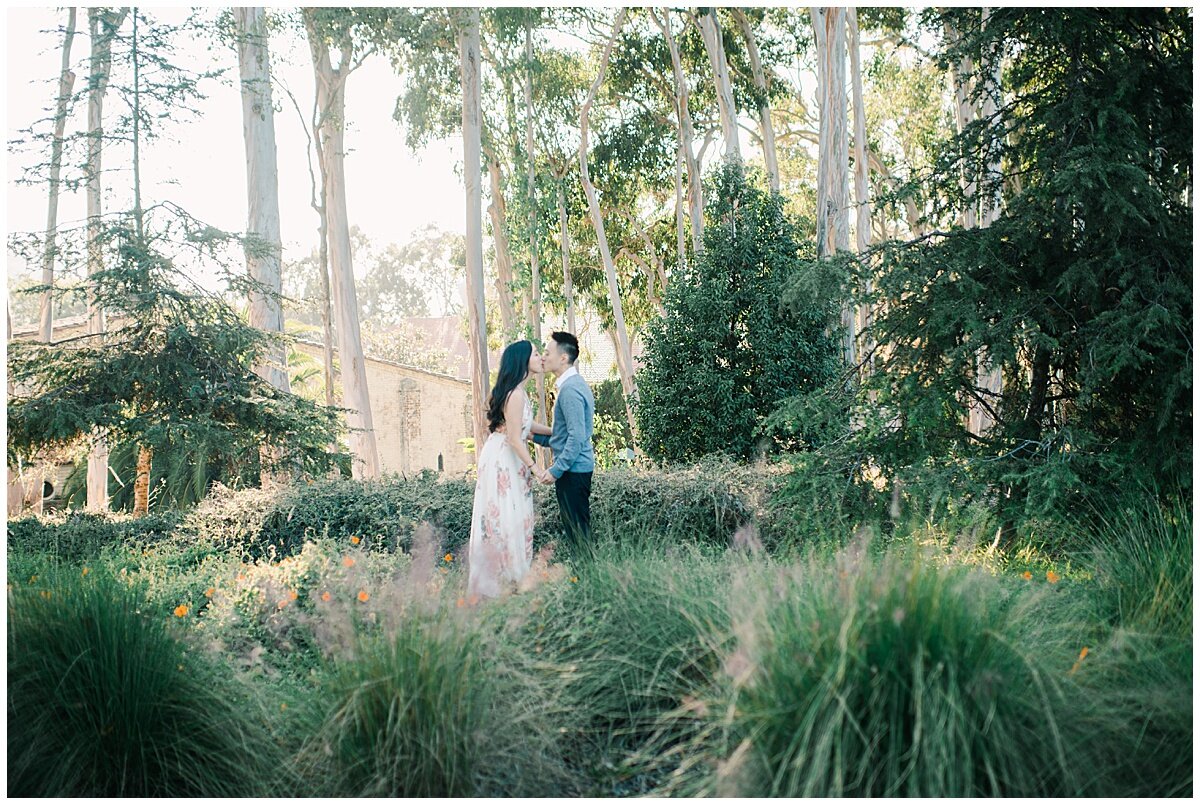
(543, 476)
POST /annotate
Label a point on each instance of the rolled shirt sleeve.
(542, 439)
(571, 409)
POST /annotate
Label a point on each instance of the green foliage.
(105, 700)
(174, 373)
(636, 637)
(923, 665)
(892, 678)
(1080, 292)
(727, 352)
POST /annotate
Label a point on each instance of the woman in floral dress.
(501, 547)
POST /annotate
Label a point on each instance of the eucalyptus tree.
(331, 29)
(65, 82)
(265, 247)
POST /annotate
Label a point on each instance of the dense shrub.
(105, 699)
(727, 352)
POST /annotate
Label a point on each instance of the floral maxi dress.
(501, 547)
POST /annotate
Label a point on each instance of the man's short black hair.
(567, 344)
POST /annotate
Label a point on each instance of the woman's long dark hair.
(514, 368)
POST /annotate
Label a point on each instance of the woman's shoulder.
(516, 395)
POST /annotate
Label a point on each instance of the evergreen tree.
(727, 352)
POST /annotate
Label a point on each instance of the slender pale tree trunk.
(468, 48)
(764, 105)
(535, 269)
(624, 356)
(102, 27)
(331, 100)
(710, 29)
(498, 212)
(564, 240)
(961, 74)
(66, 81)
(687, 134)
(263, 257)
(987, 375)
(862, 201)
(833, 191)
(141, 481)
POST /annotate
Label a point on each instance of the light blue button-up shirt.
(571, 439)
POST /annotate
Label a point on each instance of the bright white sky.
(391, 192)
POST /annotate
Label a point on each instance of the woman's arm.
(539, 429)
(514, 410)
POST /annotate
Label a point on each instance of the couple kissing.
(502, 518)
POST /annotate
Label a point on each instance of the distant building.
(419, 416)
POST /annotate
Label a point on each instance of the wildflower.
(448, 558)
(1052, 577)
(33, 579)
(45, 594)
(348, 561)
(179, 667)
(181, 610)
(293, 595)
(1082, 654)
(355, 540)
(210, 592)
(282, 706)
(1027, 575)
(460, 603)
(86, 570)
(282, 603)
(363, 596)
(325, 596)
(241, 576)
(574, 579)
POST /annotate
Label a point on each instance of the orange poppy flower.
(355, 540)
(448, 557)
(86, 570)
(210, 592)
(363, 595)
(1027, 575)
(348, 561)
(1052, 577)
(292, 594)
(325, 596)
(181, 610)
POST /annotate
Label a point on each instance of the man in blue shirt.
(570, 439)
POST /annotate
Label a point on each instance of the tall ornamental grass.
(106, 699)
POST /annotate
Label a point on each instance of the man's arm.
(540, 438)
(571, 409)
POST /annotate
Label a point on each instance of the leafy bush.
(105, 699)
(73, 535)
(727, 351)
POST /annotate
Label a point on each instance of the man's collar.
(563, 377)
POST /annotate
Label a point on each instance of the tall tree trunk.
(624, 366)
(66, 81)
(624, 357)
(687, 134)
(862, 201)
(833, 191)
(141, 482)
(564, 241)
(764, 105)
(961, 74)
(710, 29)
(498, 212)
(468, 48)
(535, 269)
(262, 184)
(988, 376)
(102, 27)
(331, 100)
